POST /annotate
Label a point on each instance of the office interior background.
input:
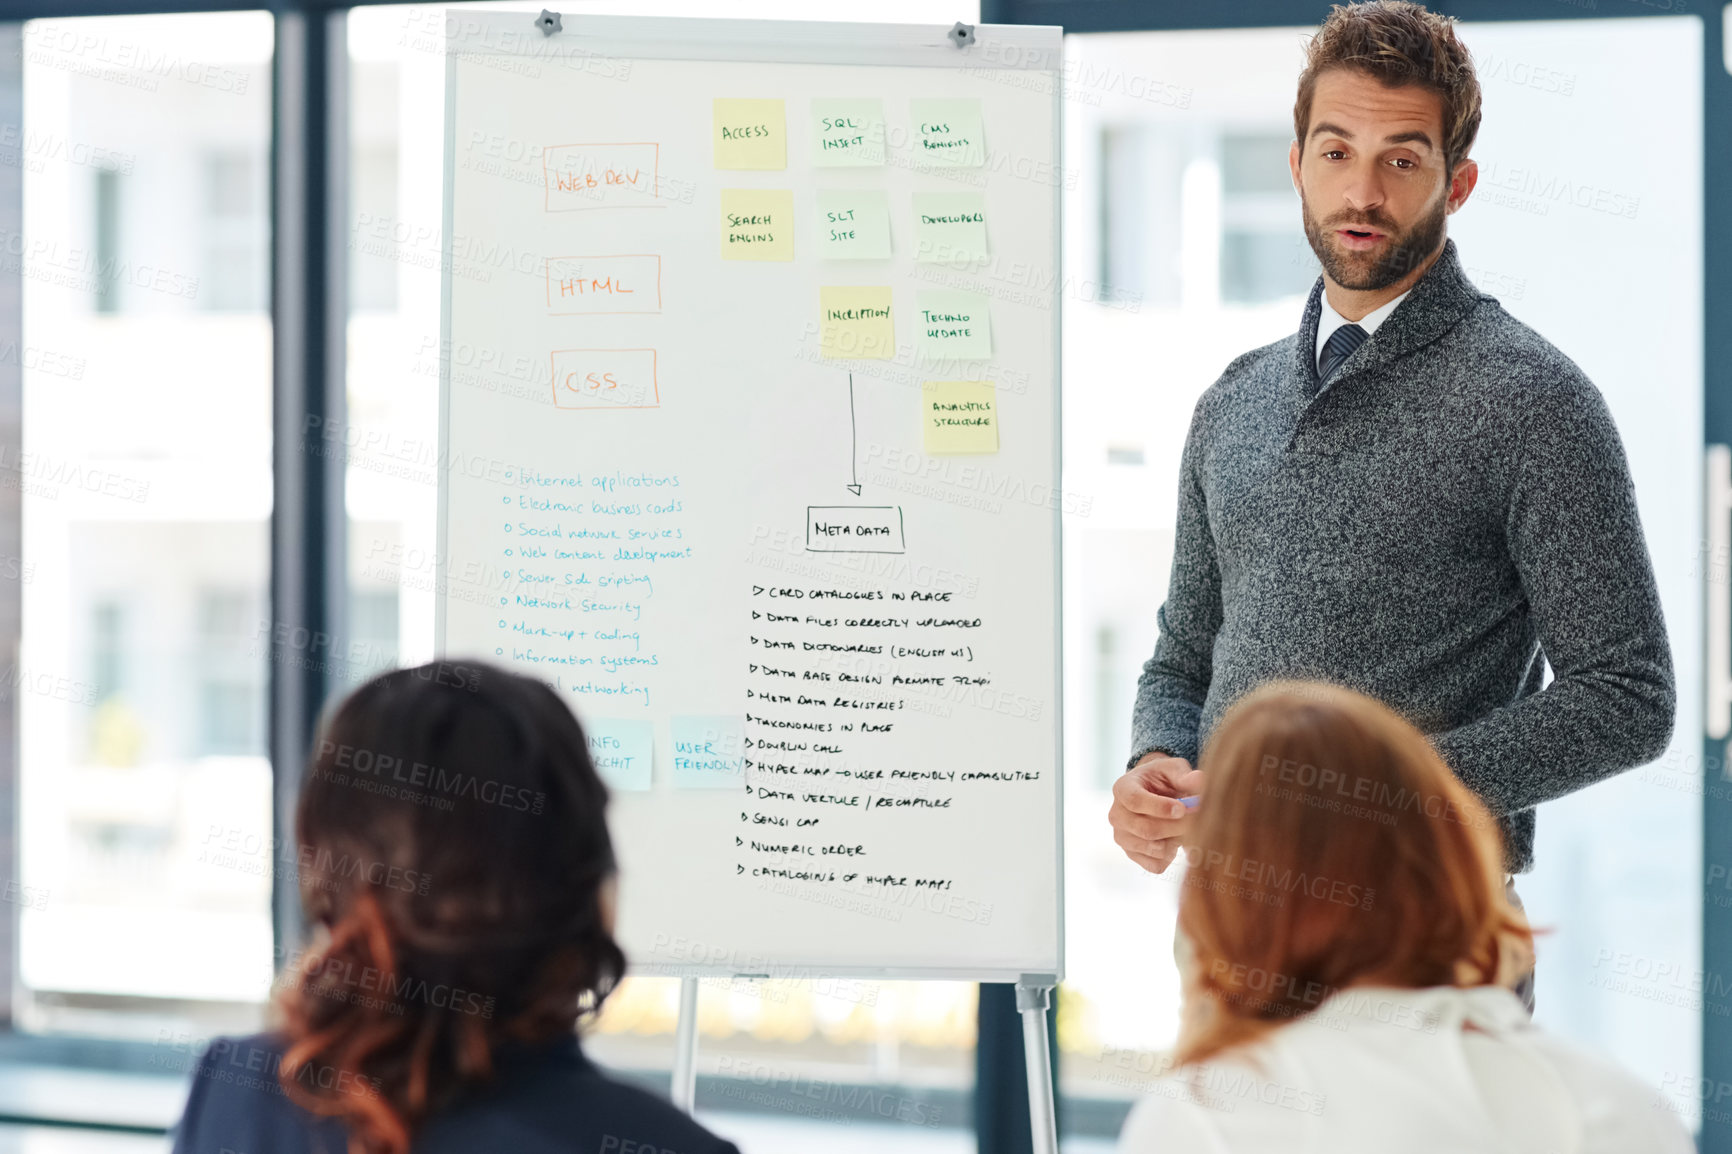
(173, 506)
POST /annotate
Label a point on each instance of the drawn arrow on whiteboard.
(853, 443)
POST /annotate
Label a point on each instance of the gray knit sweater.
(1452, 511)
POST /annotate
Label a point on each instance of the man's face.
(1372, 184)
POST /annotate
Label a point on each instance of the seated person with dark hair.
(460, 936)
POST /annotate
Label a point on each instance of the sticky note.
(854, 225)
(950, 227)
(847, 133)
(622, 751)
(757, 224)
(709, 752)
(750, 134)
(948, 132)
(959, 417)
(854, 321)
(953, 325)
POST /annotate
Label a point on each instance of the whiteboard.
(816, 652)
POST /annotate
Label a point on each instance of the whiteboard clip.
(548, 22)
(961, 35)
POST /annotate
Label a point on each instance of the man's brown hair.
(1398, 43)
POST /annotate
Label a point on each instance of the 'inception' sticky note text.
(948, 132)
(709, 752)
(750, 134)
(854, 225)
(622, 751)
(959, 417)
(847, 133)
(854, 322)
(949, 227)
(757, 224)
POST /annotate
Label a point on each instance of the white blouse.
(1376, 1070)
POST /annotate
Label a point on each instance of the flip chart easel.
(1033, 999)
(698, 477)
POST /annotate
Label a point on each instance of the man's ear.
(1464, 181)
(1293, 166)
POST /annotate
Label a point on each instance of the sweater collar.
(1437, 300)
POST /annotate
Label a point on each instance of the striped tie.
(1337, 348)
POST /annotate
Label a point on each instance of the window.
(372, 257)
(373, 620)
(1550, 253)
(231, 692)
(1164, 187)
(235, 233)
(145, 811)
(107, 229)
(375, 250)
(106, 655)
(1264, 254)
(1141, 166)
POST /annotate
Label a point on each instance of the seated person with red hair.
(461, 932)
(1347, 945)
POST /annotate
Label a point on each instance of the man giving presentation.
(1415, 496)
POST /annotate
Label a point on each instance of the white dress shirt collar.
(1329, 320)
(1491, 1008)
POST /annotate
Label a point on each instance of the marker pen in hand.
(1190, 802)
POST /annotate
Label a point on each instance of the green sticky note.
(854, 225)
(709, 752)
(847, 133)
(950, 227)
(953, 326)
(622, 751)
(948, 132)
(959, 417)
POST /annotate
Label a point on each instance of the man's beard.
(1377, 268)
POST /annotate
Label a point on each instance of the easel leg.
(1031, 1002)
(685, 1085)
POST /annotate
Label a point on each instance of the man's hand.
(1147, 821)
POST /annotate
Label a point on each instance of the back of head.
(453, 847)
(1333, 847)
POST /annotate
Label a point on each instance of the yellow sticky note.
(959, 417)
(757, 224)
(750, 134)
(854, 321)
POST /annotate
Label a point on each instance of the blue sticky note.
(622, 751)
(709, 752)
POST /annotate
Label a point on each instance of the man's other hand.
(1148, 822)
